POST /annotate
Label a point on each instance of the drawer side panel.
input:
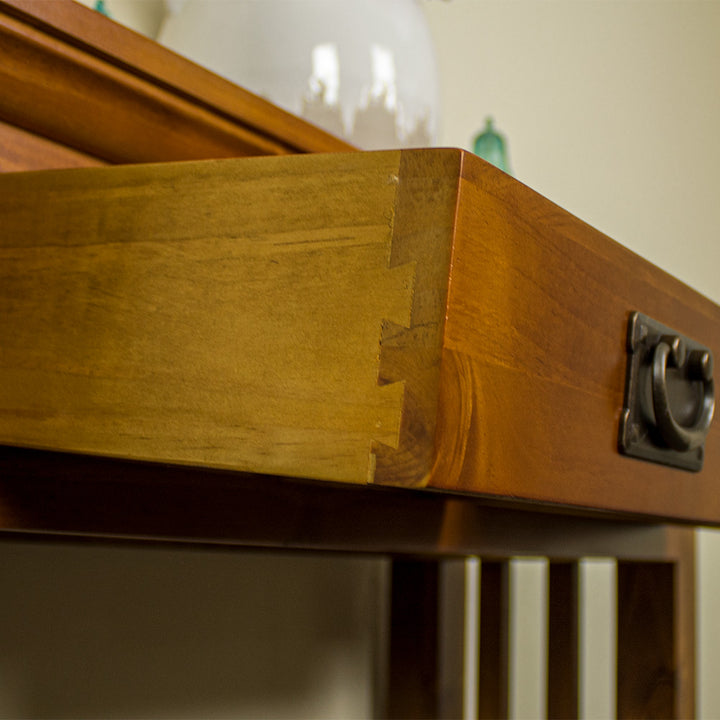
(225, 314)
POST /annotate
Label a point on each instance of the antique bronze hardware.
(669, 395)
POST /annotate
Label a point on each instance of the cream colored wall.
(611, 109)
(144, 16)
(140, 632)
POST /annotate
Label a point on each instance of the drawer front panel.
(536, 345)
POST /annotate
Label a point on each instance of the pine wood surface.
(292, 316)
(222, 314)
(423, 222)
(80, 80)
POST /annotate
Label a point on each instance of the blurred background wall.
(612, 110)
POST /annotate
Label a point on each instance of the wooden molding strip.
(75, 77)
(21, 150)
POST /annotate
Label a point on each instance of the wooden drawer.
(412, 318)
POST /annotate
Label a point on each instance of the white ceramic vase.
(362, 69)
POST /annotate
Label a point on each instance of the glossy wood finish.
(22, 150)
(76, 78)
(333, 294)
(533, 368)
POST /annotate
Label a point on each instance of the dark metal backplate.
(639, 436)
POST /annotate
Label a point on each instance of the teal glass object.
(491, 146)
(101, 8)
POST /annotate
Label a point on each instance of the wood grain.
(81, 80)
(476, 329)
(193, 349)
(422, 230)
(656, 634)
(21, 150)
(534, 359)
(225, 314)
(646, 683)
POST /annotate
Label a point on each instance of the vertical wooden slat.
(493, 660)
(452, 639)
(656, 633)
(425, 669)
(685, 620)
(411, 687)
(562, 667)
(646, 642)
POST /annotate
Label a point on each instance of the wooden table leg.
(656, 636)
(425, 669)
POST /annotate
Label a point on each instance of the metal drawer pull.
(672, 350)
(669, 395)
